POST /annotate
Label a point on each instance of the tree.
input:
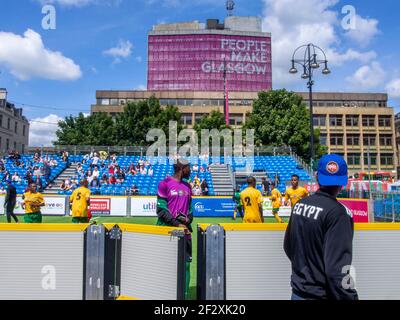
(214, 120)
(139, 118)
(281, 118)
(97, 129)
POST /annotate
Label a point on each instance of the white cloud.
(141, 87)
(365, 30)
(367, 77)
(42, 131)
(80, 3)
(122, 51)
(26, 57)
(393, 88)
(294, 23)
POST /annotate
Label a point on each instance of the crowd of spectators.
(35, 168)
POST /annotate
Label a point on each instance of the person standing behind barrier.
(32, 203)
(252, 201)
(295, 193)
(79, 203)
(319, 239)
(238, 204)
(10, 202)
(174, 208)
(276, 198)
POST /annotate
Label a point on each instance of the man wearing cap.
(319, 239)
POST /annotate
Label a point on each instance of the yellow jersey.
(33, 202)
(80, 202)
(295, 195)
(276, 198)
(250, 199)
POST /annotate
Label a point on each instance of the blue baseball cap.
(332, 171)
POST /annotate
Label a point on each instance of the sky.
(102, 45)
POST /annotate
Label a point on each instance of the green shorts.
(33, 218)
(78, 220)
(275, 210)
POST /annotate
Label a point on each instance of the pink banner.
(359, 208)
(197, 62)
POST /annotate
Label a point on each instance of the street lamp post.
(310, 62)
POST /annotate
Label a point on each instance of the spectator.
(132, 170)
(86, 158)
(265, 186)
(16, 178)
(7, 176)
(143, 171)
(120, 176)
(65, 156)
(47, 171)
(62, 185)
(196, 181)
(111, 169)
(277, 180)
(89, 176)
(141, 162)
(133, 191)
(104, 179)
(53, 163)
(112, 180)
(151, 171)
(95, 161)
(68, 185)
(95, 183)
(2, 190)
(204, 187)
(202, 170)
(196, 190)
(195, 168)
(28, 177)
(147, 163)
(96, 173)
(36, 158)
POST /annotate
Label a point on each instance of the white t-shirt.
(95, 160)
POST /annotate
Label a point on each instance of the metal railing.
(386, 206)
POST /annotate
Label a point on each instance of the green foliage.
(129, 127)
(214, 120)
(281, 118)
(97, 129)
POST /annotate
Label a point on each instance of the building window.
(352, 121)
(23, 130)
(7, 145)
(1, 120)
(23, 148)
(369, 140)
(187, 119)
(323, 139)
(354, 159)
(372, 158)
(336, 121)
(16, 127)
(104, 102)
(320, 121)
(387, 159)
(369, 121)
(353, 140)
(8, 123)
(114, 102)
(385, 140)
(385, 121)
(336, 140)
(15, 146)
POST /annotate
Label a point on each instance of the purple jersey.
(178, 195)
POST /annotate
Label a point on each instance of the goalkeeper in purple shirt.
(174, 208)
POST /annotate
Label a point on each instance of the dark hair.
(180, 166)
(296, 176)
(251, 180)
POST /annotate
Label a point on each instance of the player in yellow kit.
(252, 200)
(32, 202)
(276, 198)
(295, 193)
(79, 203)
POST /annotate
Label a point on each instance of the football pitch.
(152, 221)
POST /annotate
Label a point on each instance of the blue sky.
(102, 44)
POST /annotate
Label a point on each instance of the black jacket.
(11, 197)
(318, 243)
